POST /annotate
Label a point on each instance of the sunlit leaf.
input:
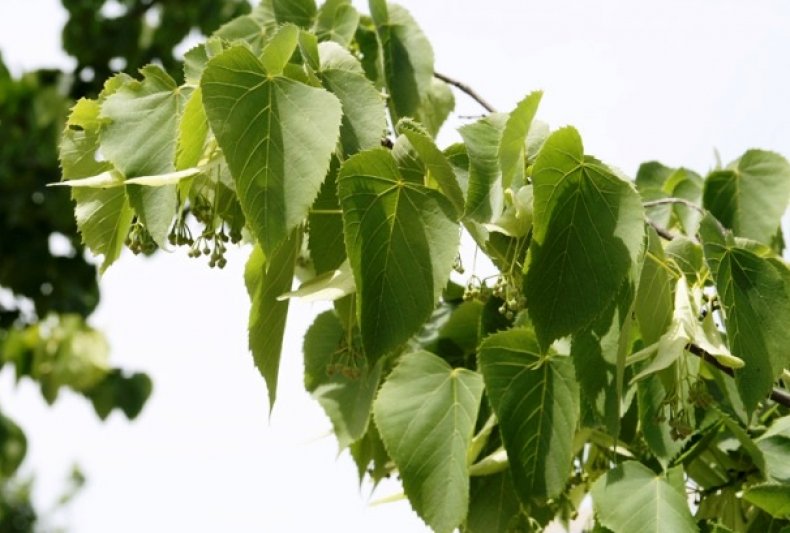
(277, 136)
(266, 279)
(631, 497)
(755, 296)
(537, 403)
(401, 240)
(751, 194)
(407, 58)
(140, 139)
(587, 232)
(426, 413)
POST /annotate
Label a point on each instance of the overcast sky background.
(670, 80)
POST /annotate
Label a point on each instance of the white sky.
(668, 80)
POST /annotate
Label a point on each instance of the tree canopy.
(631, 347)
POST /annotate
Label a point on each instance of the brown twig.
(468, 90)
(780, 396)
(662, 232)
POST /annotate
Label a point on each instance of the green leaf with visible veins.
(654, 301)
(277, 135)
(437, 105)
(513, 147)
(493, 505)
(773, 498)
(537, 403)
(347, 400)
(755, 296)
(192, 132)
(435, 161)
(279, 49)
(750, 195)
(364, 109)
(103, 215)
(140, 140)
(401, 240)
(631, 497)
(426, 413)
(407, 58)
(337, 21)
(267, 278)
(588, 230)
(325, 241)
(299, 12)
(485, 198)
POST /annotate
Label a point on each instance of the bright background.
(670, 80)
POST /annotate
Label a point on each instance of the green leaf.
(775, 447)
(265, 281)
(338, 378)
(407, 58)
(103, 215)
(751, 194)
(325, 240)
(631, 497)
(439, 102)
(587, 233)
(277, 136)
(685, 184)
(401, 240)
(493, 505)
(773, 498)
(279, 49)
(654, 302)
(755, 297)
(596, 354)
(364, 109)
(299, 12)
(650, 179)
(485, 197)
(140, 139)
(537, 403)
(370, 456)
(426, 413)
(337, 21)
(653, 411)
(253, 29)
(688, 256)
(192, 132)
(435, 162)
(13, 447)
(512, 149)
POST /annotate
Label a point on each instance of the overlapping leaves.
(401, 240)
(537, 403)
(277, 135)
(588, 230)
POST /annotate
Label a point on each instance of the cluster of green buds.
(180, 234)
(211, 243)
(139, 240)
(475, 289)
(508, 289)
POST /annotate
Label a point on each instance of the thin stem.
(662, 232)
(468, 90)
(780, 396)
(690, 205)
(682, 201)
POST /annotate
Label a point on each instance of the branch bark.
(468, 90)
(778, 395)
